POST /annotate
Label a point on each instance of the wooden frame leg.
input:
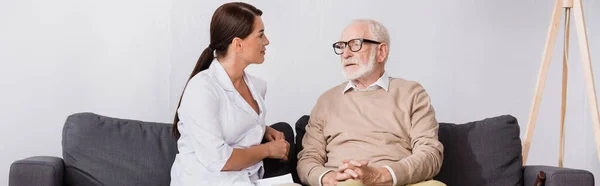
(587, 70)
(565, 72)
(541, 81)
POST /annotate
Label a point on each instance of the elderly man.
(373, 129)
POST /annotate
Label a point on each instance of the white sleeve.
(394, 180)
(321, 177)
(199, 114)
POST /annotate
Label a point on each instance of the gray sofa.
(100, 150)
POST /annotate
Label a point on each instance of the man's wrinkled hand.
(360, 171)
(330, 179)
(347, 168)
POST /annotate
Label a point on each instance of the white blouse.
(215, 119)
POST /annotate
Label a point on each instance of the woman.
(219, 121)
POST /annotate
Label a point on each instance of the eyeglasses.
(355, 45)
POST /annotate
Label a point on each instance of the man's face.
(357, 64)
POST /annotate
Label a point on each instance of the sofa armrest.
(37, 170)
(556, 176)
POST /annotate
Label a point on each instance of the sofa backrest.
(482, 153)
(99, 150)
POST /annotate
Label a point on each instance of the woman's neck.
(235, 70)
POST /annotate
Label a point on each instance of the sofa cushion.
(99, 150)
(485, 152)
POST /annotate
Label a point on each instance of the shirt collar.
(382, 82)
(219, 73)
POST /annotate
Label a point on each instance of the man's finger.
(364, 162)
(342, 176)
(345, 166)
(360, 172)
(351, 173)
(355, 163)
(342, 167)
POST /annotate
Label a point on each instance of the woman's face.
(253, 46)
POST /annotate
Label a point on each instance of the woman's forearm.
(244, 158)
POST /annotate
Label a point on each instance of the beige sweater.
(396, 128)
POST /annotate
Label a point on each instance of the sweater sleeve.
(312, 158)
(427, 152)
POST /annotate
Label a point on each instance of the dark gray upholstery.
(38, 171)
(489, 151)
(100, 150)
(486, 153)
(558, 176)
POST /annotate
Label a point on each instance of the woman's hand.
(278, 149)
(271, 134)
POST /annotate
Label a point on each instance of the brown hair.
(229, 21)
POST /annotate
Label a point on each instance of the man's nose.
(347, 53)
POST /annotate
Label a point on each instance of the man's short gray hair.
(377, 30)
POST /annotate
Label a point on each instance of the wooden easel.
(576, 7)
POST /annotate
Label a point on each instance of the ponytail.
(203, 63)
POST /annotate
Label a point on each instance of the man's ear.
(237, 45)
(382, 52)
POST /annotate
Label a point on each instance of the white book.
(279, 180)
